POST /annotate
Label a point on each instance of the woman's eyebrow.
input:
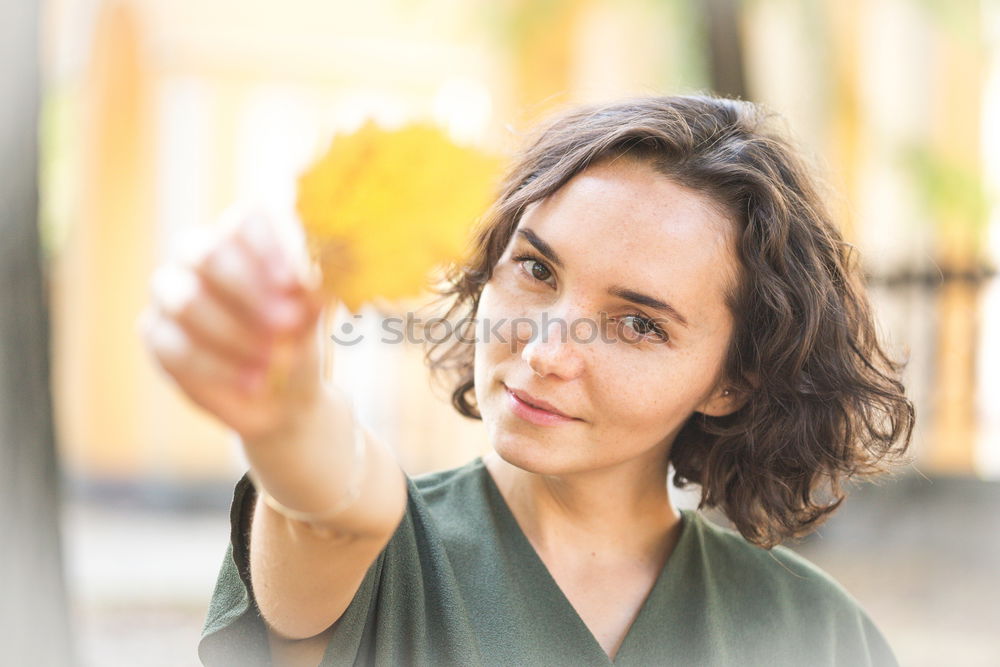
(631, 295)
(641, 299)
(540, 245)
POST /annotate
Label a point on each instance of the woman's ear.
(723, 401)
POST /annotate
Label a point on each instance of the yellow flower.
(382, 208)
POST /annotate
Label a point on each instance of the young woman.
(659, 284)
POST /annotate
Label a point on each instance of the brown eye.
(641, 325)
(539, 271)
(643, 328)
(535, 268)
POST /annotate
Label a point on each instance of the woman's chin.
(528, 456)
(531, 449)
(536, 457)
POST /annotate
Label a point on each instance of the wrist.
(304, 418)
(311, 468)
(320, 520)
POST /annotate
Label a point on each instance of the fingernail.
(281, 273)
(279, 261)
(284, 313)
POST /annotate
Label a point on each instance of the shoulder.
(443, 479)
(767, 573)
(452, 487)
(775, 590)
(450, 504)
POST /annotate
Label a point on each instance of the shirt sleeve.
(235, 632)
(871, 648)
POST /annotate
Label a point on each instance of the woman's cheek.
(502, 306)
(492, 332)
(487, 317)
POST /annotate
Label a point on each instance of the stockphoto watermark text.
(410, 328)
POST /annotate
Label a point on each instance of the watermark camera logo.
(410, 328)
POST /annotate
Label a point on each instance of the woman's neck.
(620, 514)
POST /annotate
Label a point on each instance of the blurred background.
(153, 115)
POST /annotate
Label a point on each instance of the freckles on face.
(644, 266)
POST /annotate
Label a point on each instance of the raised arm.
(234, 324)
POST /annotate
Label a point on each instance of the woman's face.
(570, 319)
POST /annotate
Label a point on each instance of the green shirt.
(460, 584)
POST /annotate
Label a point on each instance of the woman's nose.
(551, 346)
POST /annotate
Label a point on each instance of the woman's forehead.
(625, 222)
(627, 195)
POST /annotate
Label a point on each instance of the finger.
(274, 253)
(179, 295)
(286, 289)
(237, 279)
(258, 234)
(195, 368)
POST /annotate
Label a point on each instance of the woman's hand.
(233, 322)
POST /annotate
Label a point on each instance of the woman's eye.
(534, 268)
(643, 327)
(539, 271)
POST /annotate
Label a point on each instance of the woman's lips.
(520, 406)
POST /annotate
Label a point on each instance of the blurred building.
(159, 113)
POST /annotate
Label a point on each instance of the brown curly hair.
(822, 399)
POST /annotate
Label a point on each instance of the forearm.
(314, 464)
(305, 575)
